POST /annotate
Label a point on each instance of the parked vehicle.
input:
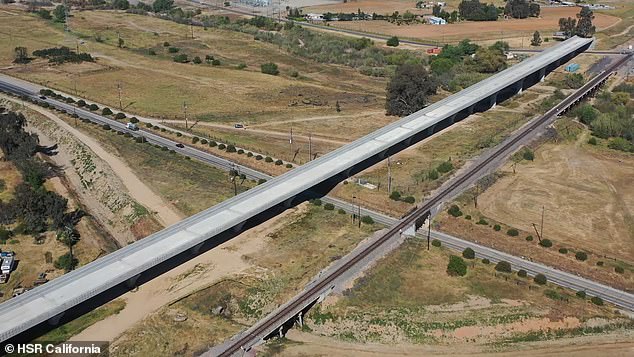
(7, 265)
(132, 126)
(238, 126)
(42, 97)
(179, 145)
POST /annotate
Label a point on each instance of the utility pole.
(235, 185)
(428, 229)
(119, 90)
(542, 226)
(290, 140)
(185, 111)
(310, 146)
(354, 198)
(475, 197)
(192, 28)
(389, 176)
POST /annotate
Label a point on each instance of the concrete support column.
(300, 319)
(238, 227)
(289, 202)
(542, 74)
(471, 109)
(281, 331)
(452, 119)
(196, 249)
(130, 283)
(54, 321)
(493, 101)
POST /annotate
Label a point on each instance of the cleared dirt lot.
(587, 194)
(482, 30)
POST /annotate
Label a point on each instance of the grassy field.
(409, 298)
(288, 261)
(157, 86)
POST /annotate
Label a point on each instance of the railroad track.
(268, 325)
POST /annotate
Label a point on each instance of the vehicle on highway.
(238, 126)
(179, 145)
(7, 265)
(132, 126)
(42, 97)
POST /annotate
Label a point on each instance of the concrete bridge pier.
(238, 227)
(130, 283)
(300, 319)
(54, 321)
(493, 101)
(196, 249)
(542, 74)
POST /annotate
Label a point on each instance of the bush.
(581, 294)
(341, 211)
(261, 181)
(181, 58)
(242, 66)
(486, 261)
(540, 279)
(393, 41)
(173, 49)
(592, 140)
(212, 143)
(504, 267)
(468, 253)
(66, 262)
(316, 202)
(106, 111)
(528, 155)
(395, 195)
(581, 256)
(93, 107)
(597, 300)
(81, 103)
(546, 243)
(278, 162)
(204, 141)
(289, 166)
(166, 44)
(134, 120)
(240, 151)
(445, 167)
(268, 159)
(222, 146)
(215, 62)
(513, 232)
(249, 154)
(270, 68)
(467, 217)
(195, 139)
(4, 234)
(409, 199)
(294, 74)
(258, 157)
(151, 52)
(329, 207)
(456, 266)
(483, 222)
(600, 263)
(436, 243)
(454, 210)
(105, 127)
(529, 238)
(231, 148)
(197, 60)
(367, 220)
(522, 273)
(619, 270)
(563, 250)
(148, 125)
(497, 228)
(119, 116)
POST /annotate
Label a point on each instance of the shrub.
(409, 199)
(278, 162)
(454, 210)
(105, 127)
(445, 167)
(497, 228)
(540, 279)
(528, 155)
(242, 66)
(119, 116)
(166, 44)
(581, 294)
(467, 217)
(597, 300)
(436, 243)
(289, 166)
(619, 270)
(513, 232)
(529, 238)
(212, 143)
(483, 222)
(148, 125)
(395, 195)
(433, 174)
(503, 266)
(106, 111)
(231, 148)
(140, 139)
(581, 256)
(486, 261)
(173, 49)
(316, 202)
(341, 211)
(66, 262)
(222, 146)
(134, 120)
(197, 60)
(329, 207)
(258, 157)
(4, 234)
(592, 140)
(151, 52)
(261, 181)
(468, 253)
(392, 41)
(249, 154)
(215, 62)
(268, 159)
(93, 107)
(270, 68)
(294, 74)
(600, 263)
(546, 243)
(563, 250)
(81, 103)
(204, 141)
(456, 266)
(240, 151)
(195, 139)
(181, 58)
(522, 273)
(367, 220)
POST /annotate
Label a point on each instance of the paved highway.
(54, 297)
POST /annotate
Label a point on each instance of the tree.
(197, 60)
(581, 256)
(60, 13)
(537, 39)
(568, 26)
(454, 210)
(597, 300)
(66, 262)
(409, 89)
(120, 4)
(468, 253)
(456, 266)
(45, 14)
(162, 5)
(546, 243)
(181, 58)
(120, 42)
(540, 279)
(367, 220)
(21, 55)
(393, 41)
(503, 266)
(513, 232)
(106, 111)
(436, 243)
(270, 68)
(329, 207)
(522, 273)
(584, 24)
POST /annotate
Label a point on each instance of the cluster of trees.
(63, 54)
(581, 26)
(409, 90)
(33, 207)
(521, 9)
(438, 11)
(474, 10)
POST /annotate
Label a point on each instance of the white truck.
(132, 126)
(7, 265)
